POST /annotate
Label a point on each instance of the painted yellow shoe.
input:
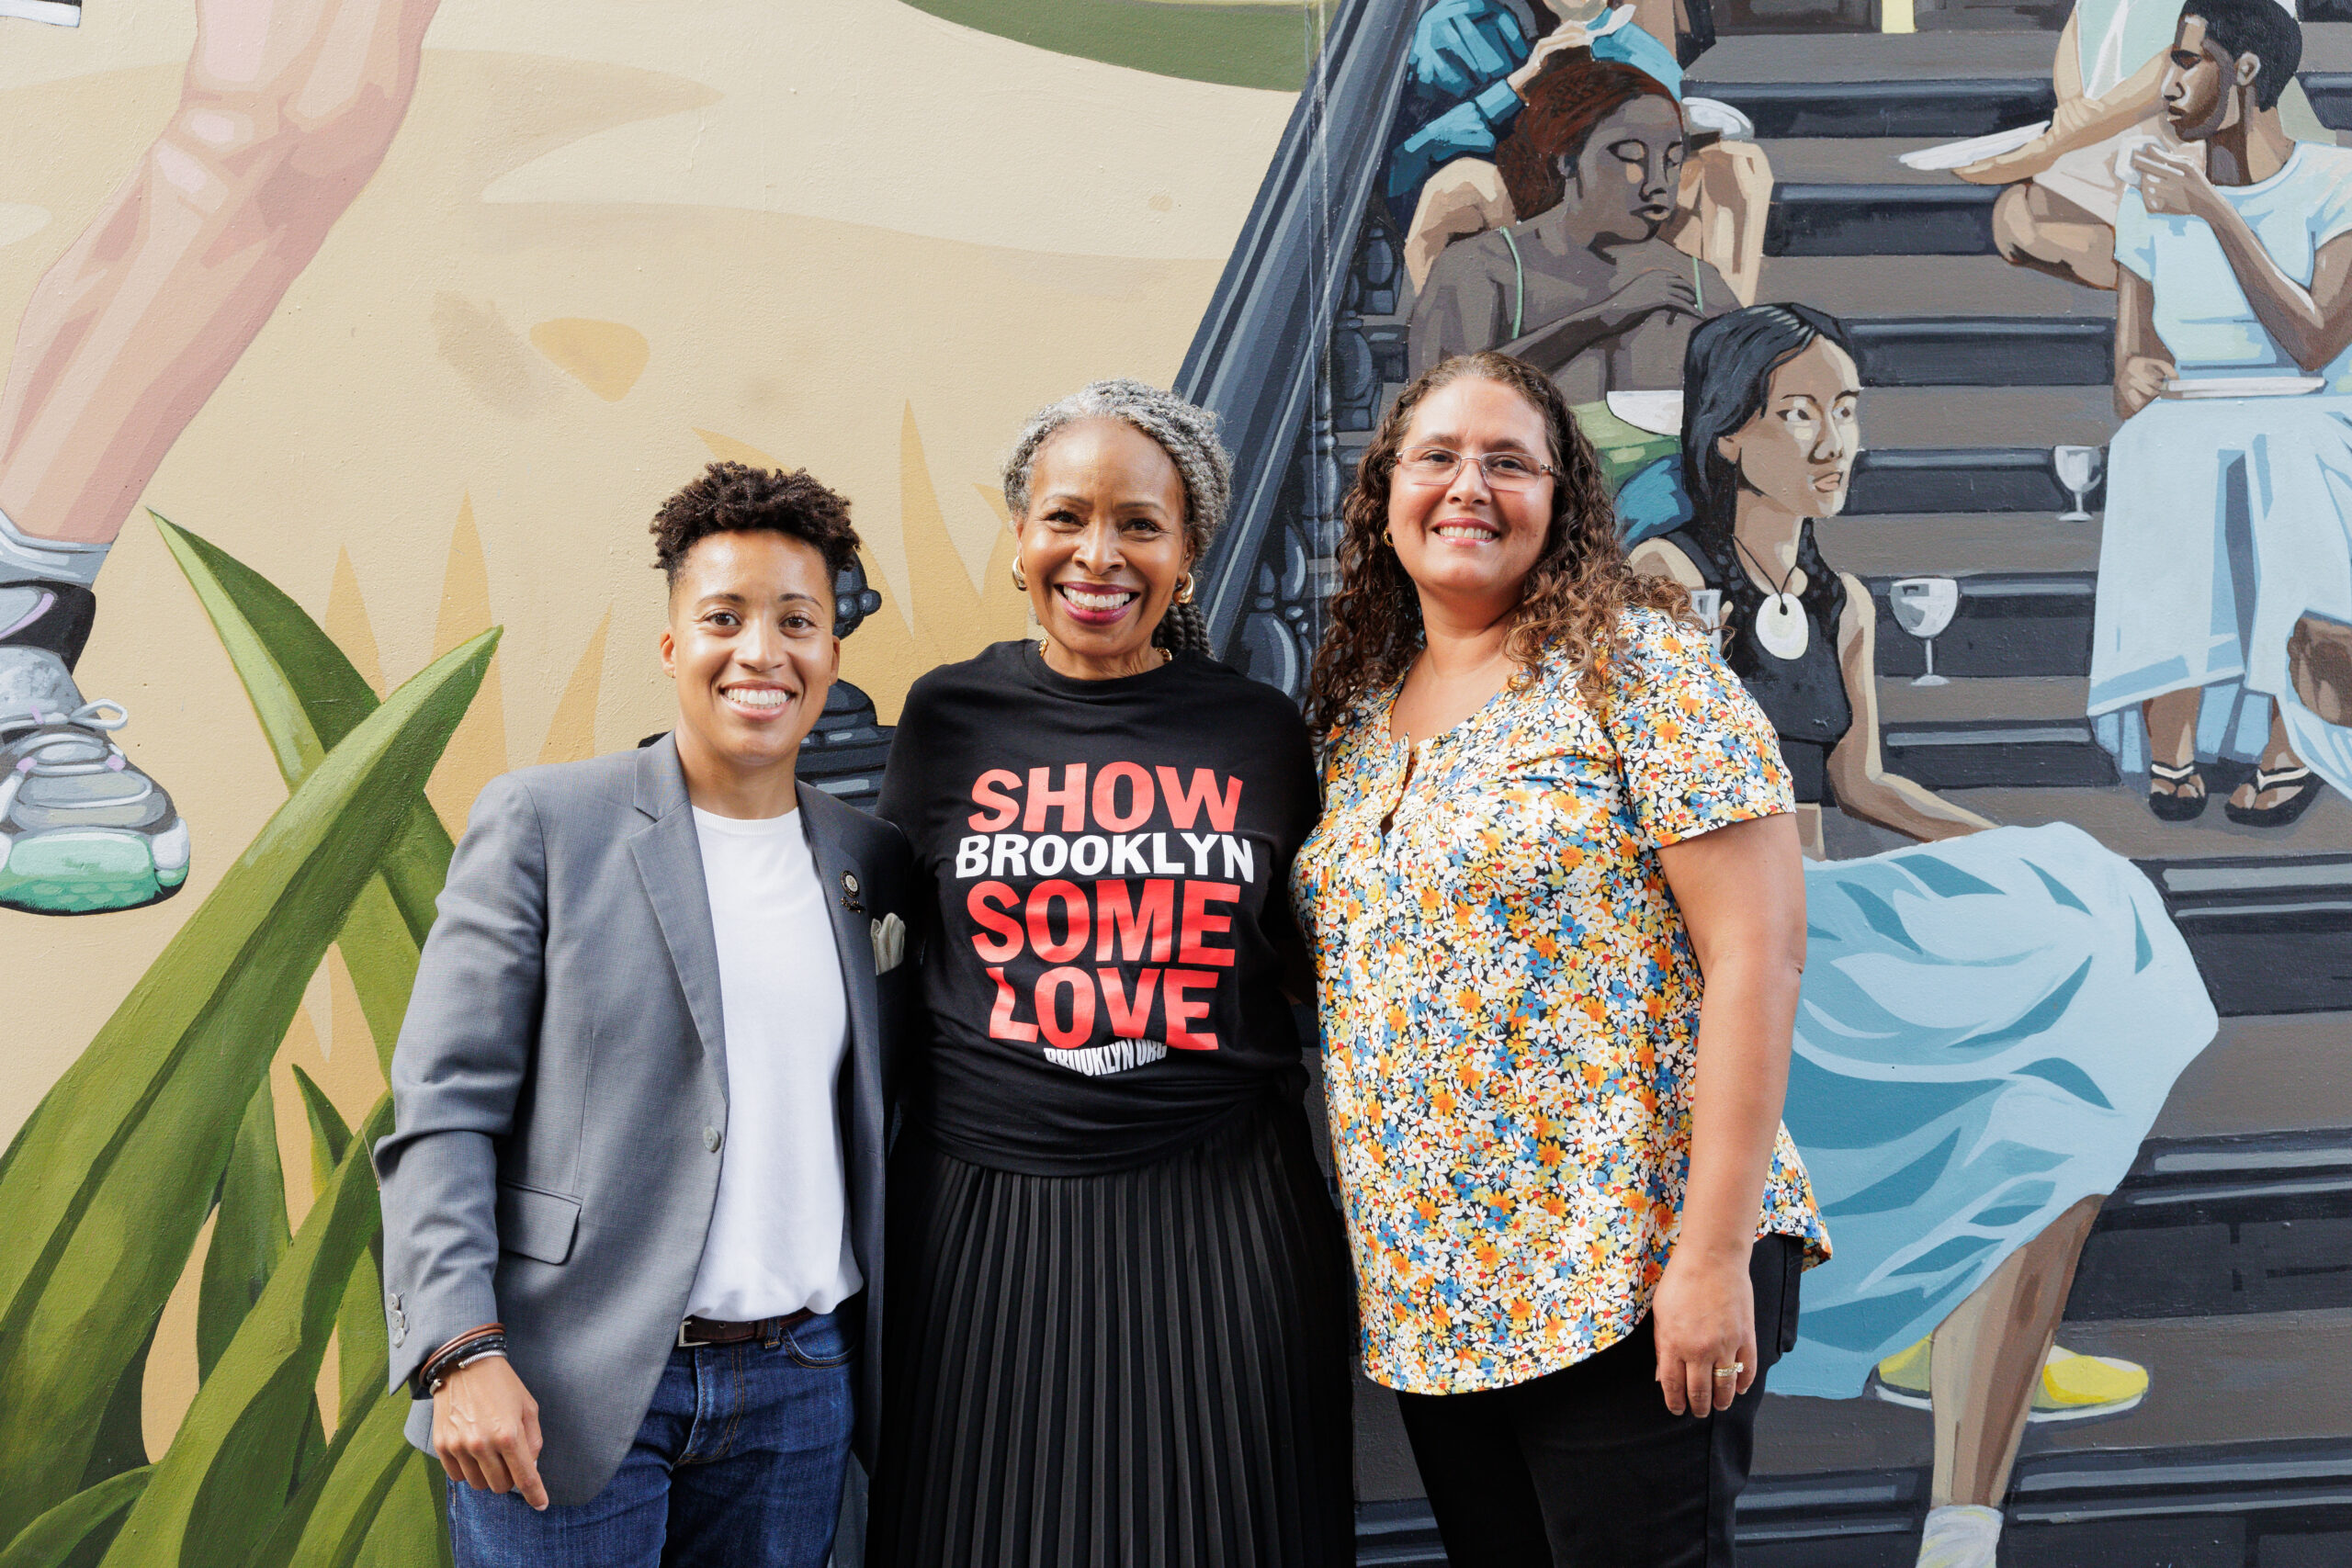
(1902, 1378)
(2072, 1387)
(2075, 1388)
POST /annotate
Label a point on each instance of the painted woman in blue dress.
(1989, 1023)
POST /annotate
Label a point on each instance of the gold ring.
(1733, 1370)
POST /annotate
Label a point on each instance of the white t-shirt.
(779, 1233)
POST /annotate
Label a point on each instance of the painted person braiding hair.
(1108, 1087)
(1558, 916)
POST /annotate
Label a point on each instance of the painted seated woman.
(1989, 1024)
(1585, 289)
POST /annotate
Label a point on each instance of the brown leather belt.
(710, 1331)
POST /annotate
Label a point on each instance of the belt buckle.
(685, 1343)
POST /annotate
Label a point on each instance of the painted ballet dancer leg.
(2032, 228)
(286, 109)
(1987, 1363)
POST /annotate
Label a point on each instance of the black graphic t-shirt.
(1110, 859)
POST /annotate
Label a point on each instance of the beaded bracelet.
(427, 1379)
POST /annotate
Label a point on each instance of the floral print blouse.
(1510, 1005)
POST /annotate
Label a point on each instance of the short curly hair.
(737, 498)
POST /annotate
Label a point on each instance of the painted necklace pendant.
(1780, 626)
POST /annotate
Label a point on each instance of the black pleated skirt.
(1148, 1369)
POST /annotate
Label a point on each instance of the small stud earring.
(1185, 590)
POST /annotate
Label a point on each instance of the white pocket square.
(889, 944)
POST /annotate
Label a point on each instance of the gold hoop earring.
(1388, 536)
(1018, 581)
(1185, 590)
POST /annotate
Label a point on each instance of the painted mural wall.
(353, 343)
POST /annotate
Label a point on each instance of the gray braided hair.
(1186, 432)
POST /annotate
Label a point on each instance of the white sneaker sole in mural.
(64, 13)
(83, 831)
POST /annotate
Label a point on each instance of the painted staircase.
(2224, 1262)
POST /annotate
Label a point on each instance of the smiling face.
(1798, 453)
(1467, 539)
(1625, 179)
(751, 646)
(2198, 84)
(1102, 546)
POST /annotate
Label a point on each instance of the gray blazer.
(559, 1093)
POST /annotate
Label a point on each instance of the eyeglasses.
(1504, 470)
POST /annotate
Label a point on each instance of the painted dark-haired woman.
(1989, 1023)
(1558, 913)
(1583, 288)
(1121, 1284)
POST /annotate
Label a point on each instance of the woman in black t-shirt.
(1119, 1285)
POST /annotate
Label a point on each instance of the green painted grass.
(1247, 44)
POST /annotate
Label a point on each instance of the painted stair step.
(1957, 479)
(2194, 1506)
(2044, 753)
(1985, 351)
(2271, 933)
(1881, 220)
(1948, 110)
(2212, 1227)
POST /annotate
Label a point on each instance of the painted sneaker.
(63, 13)
(82, 831)
(2072, 1387)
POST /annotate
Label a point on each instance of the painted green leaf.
(249, 1232)
(86, 1519)
(121, 1436)
(374, 1486)
(108, 1180)
(362, 1353)
(249, 1235)
(1242, 43)
(356, 1490)
(307, 697)
(218, 1490)
(411, 1529)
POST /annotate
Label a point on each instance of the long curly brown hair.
(1574, 599)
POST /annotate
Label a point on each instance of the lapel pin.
(849, 893)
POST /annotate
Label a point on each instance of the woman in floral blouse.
(1548, 809)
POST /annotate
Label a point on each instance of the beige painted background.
(606, 245)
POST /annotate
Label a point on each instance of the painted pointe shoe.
(83, 831)
(1961, 1535)
(2072, 1387)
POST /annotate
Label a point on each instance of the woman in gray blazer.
(633, 1202)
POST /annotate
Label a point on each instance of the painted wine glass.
(2078, 469)
(1924, 606)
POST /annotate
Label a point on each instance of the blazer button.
(710, 1139)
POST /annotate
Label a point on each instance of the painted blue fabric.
(2200, 312)
(1458, 102)
(1653, 503)
(1988, 1029)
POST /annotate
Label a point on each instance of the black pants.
(1586, 1468)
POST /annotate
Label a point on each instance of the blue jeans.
(739, 1461)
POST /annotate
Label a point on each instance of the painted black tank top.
(1806, 697)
